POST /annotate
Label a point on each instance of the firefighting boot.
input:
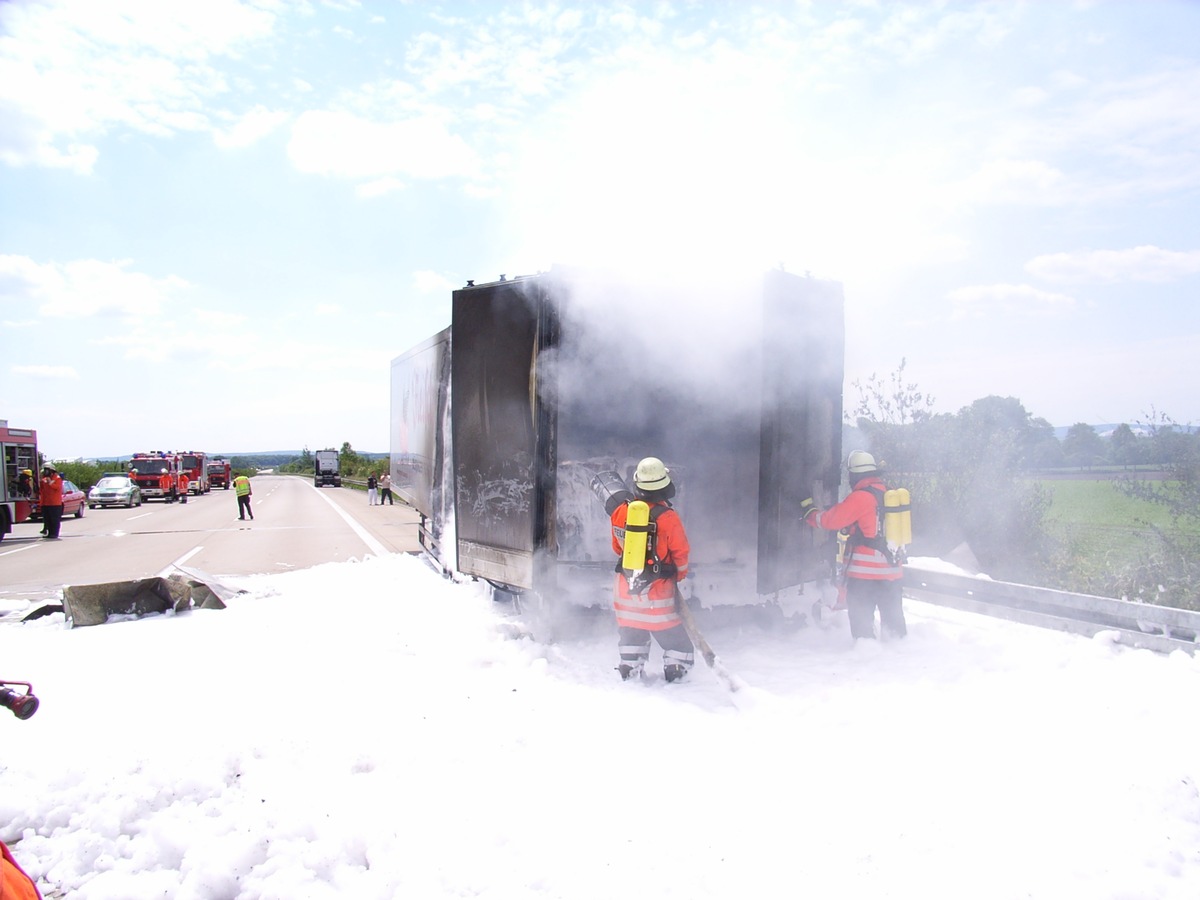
(629, 671)
(674, 672)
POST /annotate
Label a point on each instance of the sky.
(370, 729)
(220, 222)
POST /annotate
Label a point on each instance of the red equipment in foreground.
(18, 491)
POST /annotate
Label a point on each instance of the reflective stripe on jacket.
(859, 512)
(653, 610)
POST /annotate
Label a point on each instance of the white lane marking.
(141, 516)
(377, 548)
(18, 550)
(179, 562)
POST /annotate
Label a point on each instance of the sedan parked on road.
(114, 490)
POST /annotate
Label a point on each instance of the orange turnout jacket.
(52, 488)
(859, 513)
(653, 610)
(14, 883)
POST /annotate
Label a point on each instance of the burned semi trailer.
(504, 425)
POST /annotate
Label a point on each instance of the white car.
(114, 490)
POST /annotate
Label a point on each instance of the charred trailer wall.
(738, 389)
(420, 401)
(557, 377)
(800, 453)
(503, 430)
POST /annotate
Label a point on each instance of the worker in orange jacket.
(647, 608)
(50, 501)
(872, 574)
(183, 487)
(167, 485)
(14, 883)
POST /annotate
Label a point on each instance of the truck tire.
(5, 525)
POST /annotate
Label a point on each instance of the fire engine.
(146, 469)
(195, 466)
(18, 490)
(218, 473)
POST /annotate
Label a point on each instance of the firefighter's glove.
(807, 510)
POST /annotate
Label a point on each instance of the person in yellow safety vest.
(183, 487)
(647, 608)
(872, 575)
(241, 487)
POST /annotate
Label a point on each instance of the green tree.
(964, 472)
(1083, 446)
(1123, 446)
(352, 465)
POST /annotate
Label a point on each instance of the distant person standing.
(385, 490)
(183, 487)
(50, 500)
(241, 487)
(372, 493)
(167, 485)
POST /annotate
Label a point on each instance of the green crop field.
(1100, 504)
(1102, 532)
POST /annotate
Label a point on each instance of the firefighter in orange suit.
(872, 575)
(183, 487)
(167, 484)
(646, 608)
(14, 883)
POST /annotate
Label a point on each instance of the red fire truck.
(218, 473)
(195, 465)
(146, 469)
(18, 490)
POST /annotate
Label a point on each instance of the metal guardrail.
(1160, 628)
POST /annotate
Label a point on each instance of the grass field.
(1102, 532)
(1099, 504)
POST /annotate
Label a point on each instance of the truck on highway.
(145, 470)
(219, 474)
(327, 468)
(18, 492)
(506, 425)
(195, 465)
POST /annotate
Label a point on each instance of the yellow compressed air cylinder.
(897, 517)
(637, 533)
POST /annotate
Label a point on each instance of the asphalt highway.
(295, 526)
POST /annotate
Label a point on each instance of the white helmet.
(651, 474)
(164, 471)
(860, 462)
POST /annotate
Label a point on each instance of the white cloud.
(1145, 263)
(86, 287)
(249, 128)
(343, 145)
(1007, 299)
(429, 282)
(71, 71)
(46, 372)
(327, 309)
(379, 187)
(1001, 181)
